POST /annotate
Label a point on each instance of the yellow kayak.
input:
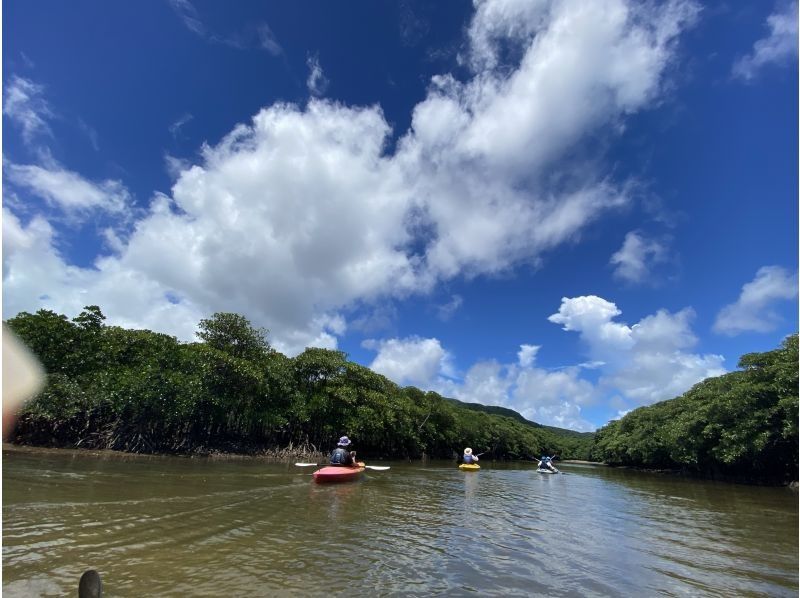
(469, 466)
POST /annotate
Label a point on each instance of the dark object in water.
(90, 586)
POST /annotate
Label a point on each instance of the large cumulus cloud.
(300, 214)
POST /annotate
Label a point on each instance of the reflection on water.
(471, 480)
(172, 527)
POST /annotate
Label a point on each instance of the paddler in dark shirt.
(342, 456)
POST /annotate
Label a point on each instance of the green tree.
(743, 423)
(233, 334)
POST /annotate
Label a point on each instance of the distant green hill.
(495, 410)
(581, 438)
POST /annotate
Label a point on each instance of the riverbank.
(746, 478)
(274, 456)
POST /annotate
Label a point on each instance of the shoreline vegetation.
(231, 394)
(268, 456)
(741, 426)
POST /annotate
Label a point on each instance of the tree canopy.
(742, 424)
(143, 391)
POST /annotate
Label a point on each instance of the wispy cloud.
(412, 24)
(91, 134)
(779, 47)
(26, 60)
(189, 15)
(249, 36)
(68, 190)
(317, 82)
(752, 310)
(446, 311)
(26, 107)
(268, 40)
(175, 127)
(175, 166)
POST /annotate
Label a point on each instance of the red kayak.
(337, 473)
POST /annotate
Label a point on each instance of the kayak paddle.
(374, 467)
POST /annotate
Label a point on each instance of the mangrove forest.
(142, 391)
(741, 425)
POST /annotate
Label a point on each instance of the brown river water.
(169, 526)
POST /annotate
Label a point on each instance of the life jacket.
(468, 459)
(341, 456)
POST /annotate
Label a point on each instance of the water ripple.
(176, 528)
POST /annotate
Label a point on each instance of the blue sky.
(566, 208)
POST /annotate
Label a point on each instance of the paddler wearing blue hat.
(341, 455)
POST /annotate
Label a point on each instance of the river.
(169, 526)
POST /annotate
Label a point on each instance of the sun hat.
(467, 451)
(344, 441)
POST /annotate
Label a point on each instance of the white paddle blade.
(306, 464)
(377, 467)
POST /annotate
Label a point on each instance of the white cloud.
(646, 362)
(317, 83)
(655, 366)
(591, 316)
(642, 364)
(527, 354)
(636, 258)
(553, 398)
(550, 398)
(68, 190)
(25, 105)
(176, 166)
(40, 278)
(486, 382)
(586, 65)
(499, 23)
(780, 46)
(411, 361)
(302, 214)
(751, 312)
(547, 397)
(287, 221)
(654, 376)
